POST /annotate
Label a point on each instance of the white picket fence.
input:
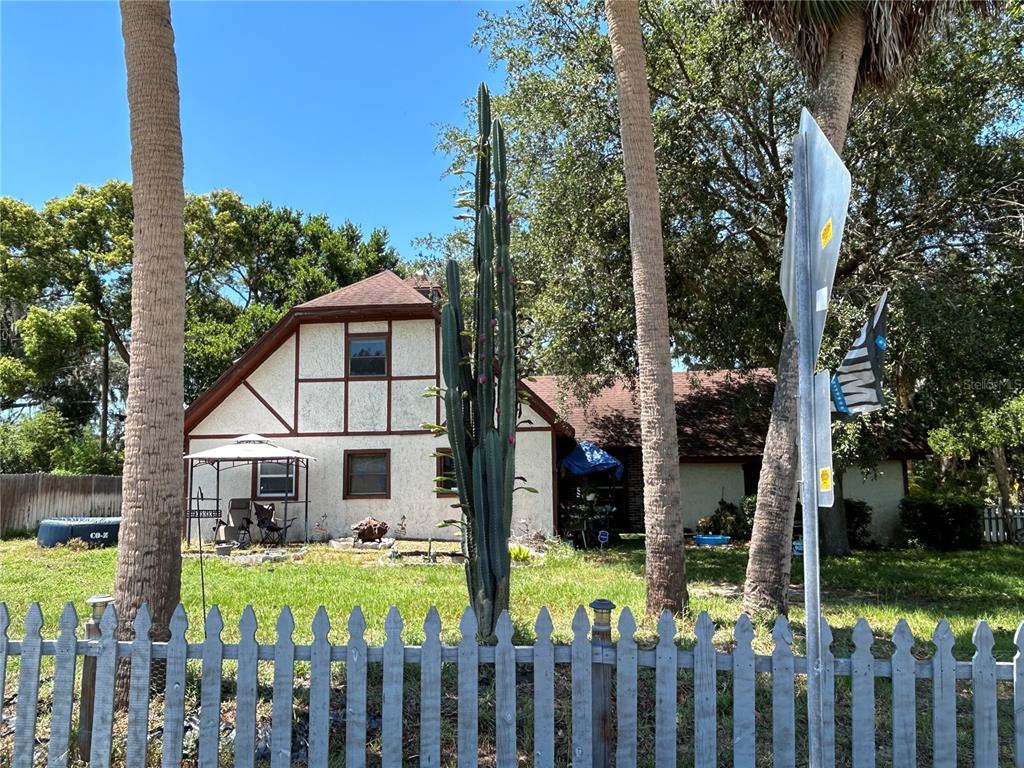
(594, 662)
(995, 528)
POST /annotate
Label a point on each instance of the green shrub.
(518, 553)
(730, 520)
(858, 523)
(945, 522)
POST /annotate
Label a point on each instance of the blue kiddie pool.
(705, 540)
(96, 531)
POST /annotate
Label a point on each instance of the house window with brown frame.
(274, 480)
(444, 483)
(367, 356)
(367, 475)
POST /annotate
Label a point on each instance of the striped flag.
(857, 384)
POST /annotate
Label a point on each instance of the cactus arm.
(497, 532)
(485, 325)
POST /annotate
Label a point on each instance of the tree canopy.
(938, 174)
(65, 283)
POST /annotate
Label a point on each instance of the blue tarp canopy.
(588, 457)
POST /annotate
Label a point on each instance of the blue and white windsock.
(857, 384)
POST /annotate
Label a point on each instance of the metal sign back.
(823, 438)
(827, 185)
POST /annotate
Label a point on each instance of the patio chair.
(273, 532)
(240, 522)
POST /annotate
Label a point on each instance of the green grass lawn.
(881, 586)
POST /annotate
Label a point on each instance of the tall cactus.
(480, 377)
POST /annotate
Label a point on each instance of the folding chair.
(240, 522)
(273, 533)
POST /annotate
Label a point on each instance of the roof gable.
(383, 289)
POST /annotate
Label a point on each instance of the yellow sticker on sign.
(826, 233)
(825, 479)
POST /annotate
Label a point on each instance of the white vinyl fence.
(723, 685)
(25, 500)
(995, 527)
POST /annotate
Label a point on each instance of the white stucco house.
(342, 378)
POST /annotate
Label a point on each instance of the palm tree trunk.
(666, 557)
(149, 546)
(769, 565)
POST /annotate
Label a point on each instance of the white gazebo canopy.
(240, 452)
(247, 448)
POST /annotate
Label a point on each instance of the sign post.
(819, 199)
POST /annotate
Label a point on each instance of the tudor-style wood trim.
(277, 435)
(292, 322)
(390, 371)
(344, 351)
(437, 368)
(278, 334)
(268, 406)
(254, 485)
(346, 454)
(295, 398)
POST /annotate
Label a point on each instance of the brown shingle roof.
(720, 414)
(383, 289)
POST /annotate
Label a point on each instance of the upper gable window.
(367, 356)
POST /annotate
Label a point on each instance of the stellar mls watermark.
(993, 385)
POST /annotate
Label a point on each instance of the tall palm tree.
(663, 523)
(842, 45)
(149, 546)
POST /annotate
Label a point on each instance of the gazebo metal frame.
(224, 458)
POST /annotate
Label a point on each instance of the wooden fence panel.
(585, 654)
(904, 698)
(1018, 692)
(29, 499)
(391, 711)
(430, 691)
(469, 671)
(103, 703)
(174, 692)
(705, 694)
(284, 692)
(320, 691)
(543, 692)
(5, 621)
(828, 697)
(862, 684)
(986, 734)
(743, 693)
(137, 739)
(65, 662)
(783, 718)
(28, 689)
(209, 692)
(245, 705)
(626, 691)
(505, 694)
(582, 692)
(943, 698)
(666, 683)
(355, 701)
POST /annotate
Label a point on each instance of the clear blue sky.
(329, 107)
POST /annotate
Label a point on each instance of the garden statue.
(369, 529)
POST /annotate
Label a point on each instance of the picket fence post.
(97, 604)
(589, 660)
(601, 685)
